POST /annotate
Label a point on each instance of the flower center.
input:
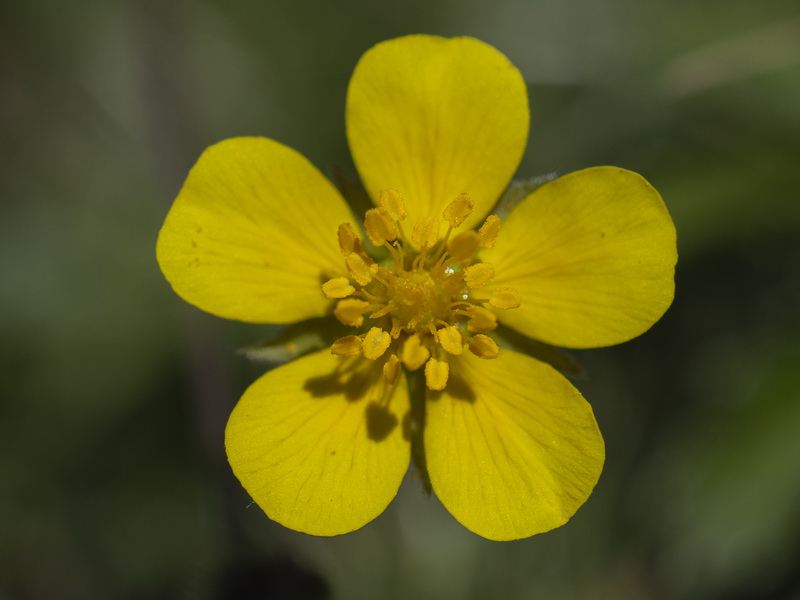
(419, 299)
(428, 301)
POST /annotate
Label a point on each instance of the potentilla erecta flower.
(437, 128)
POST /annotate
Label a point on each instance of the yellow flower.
(437, 128)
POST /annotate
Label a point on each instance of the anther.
(380, 226)
(464, 246)
(413, 353)
(348, 240)
(451, 339)
(426, 232)
(391, 369)
(458, 210)
(359, 268)
(338, 287)
(351, 311)
(478, 275)
(436, 374)
(489, 230)
(481, 320)
(347, 346)
(392, 202)
(483, 346)
(376, 341)
(504, 298)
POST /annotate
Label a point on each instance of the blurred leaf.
(296, 340)
(733, 483)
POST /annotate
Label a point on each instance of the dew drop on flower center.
(428, 300)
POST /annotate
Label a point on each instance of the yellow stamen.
(436, 374)
(451, 339)
(481, 320)
(348, 240)
(391, 369)
(489, 230)
(464, 246)
(458, 210)
(359, 268)
(347, 346)
(375, 343)
(426, 232)
(338, 287)
(414, 354)
(483, 346)
(422, 304)
(392, 202)
(351, 311)
(504, 298)
(380, 226)
(383, 311)
(478, 275)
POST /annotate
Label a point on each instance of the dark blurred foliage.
(115, 393)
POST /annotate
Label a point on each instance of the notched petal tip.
(391, 112)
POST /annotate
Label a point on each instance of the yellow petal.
(512, 448)
(592, 256)
(318, 443)
(253, 233)
(433, 118)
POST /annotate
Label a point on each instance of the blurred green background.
(115, 393)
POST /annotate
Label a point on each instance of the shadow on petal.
(356, 380)
(457, 387)
(349, 378)
(380, 422)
